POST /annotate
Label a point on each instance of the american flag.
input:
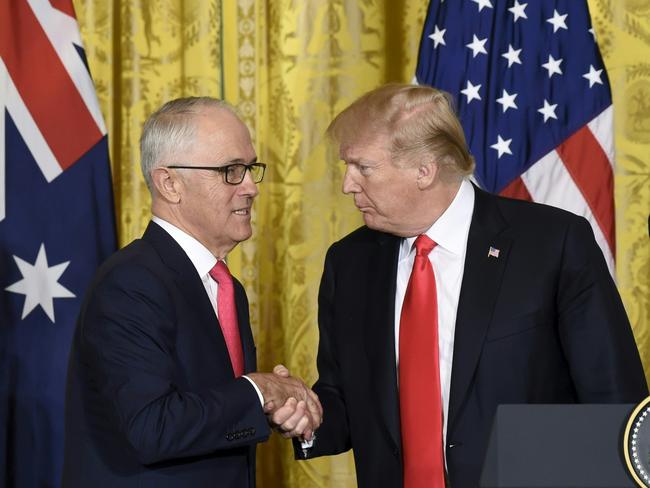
(56, 226)
(534, 100)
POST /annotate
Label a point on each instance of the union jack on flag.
(56, 226)
(534, 100)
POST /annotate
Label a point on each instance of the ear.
(427, 172)
(167, 184)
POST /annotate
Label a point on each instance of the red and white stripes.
(45, 86)
(578, 176)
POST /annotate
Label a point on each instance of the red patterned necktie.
(419, 376)
(228, 315)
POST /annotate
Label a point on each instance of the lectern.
(557, 446)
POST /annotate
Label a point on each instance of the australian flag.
(56, 226)
(534, 99)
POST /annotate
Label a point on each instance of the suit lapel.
(191, 287)
(481, 283)
(380, 330)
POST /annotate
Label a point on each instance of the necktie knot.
(424, 245)
(220, 273)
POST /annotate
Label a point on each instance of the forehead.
(368, 147)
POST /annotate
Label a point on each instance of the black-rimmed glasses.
(233, 173)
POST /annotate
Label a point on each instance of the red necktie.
(228, 315)
(419, 376)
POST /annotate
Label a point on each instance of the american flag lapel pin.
(493, 252)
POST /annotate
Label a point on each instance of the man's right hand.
(290, 405)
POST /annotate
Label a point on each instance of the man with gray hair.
(162, 382)
(451, 301)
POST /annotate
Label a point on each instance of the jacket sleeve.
(127, 344)
(333, 436)
(594, 329)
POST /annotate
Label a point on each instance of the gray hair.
(170, 130)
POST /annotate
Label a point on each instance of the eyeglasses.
(233, 173)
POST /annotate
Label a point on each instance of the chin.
(372, 223)
(245, 235)
(383, 226)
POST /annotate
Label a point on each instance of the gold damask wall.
(298, 64)
(623, 34)
(290, 66)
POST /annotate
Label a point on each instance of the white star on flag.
(548, 111)
(40, 284)
(553, 66)
(482, 4)
(558, 21)
(518, 10)
(593, 76)
(471, 91)
(502, 146)
(438, 37)
(512, 55)
(477, 46)
(507, 100)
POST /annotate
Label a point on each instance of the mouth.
(242, 211)
(363, 208)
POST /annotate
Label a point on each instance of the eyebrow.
(361, 161)
(240, 161)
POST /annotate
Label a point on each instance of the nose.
(349, 183)
(248, 186)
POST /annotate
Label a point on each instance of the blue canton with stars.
(525, 76)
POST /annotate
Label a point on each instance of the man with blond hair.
(451, 301)
(162, 383)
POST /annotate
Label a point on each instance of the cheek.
(398, 203)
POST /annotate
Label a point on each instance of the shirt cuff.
(259, 393)
(308, 444)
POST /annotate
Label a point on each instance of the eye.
(365, 170)
(236, 170)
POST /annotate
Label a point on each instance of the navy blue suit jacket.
(151, 398)
(542, 323)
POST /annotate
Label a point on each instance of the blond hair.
(418, 121)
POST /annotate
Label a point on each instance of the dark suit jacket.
(151, 398)
(542, 323)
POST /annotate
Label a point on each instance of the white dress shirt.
(203, 260)
(450, 232)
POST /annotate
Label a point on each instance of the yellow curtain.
(290, 66)
(297, 64)
(623, 34)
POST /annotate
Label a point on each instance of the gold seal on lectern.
(636, 444)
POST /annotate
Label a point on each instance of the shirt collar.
(451, 229)
(201, 257)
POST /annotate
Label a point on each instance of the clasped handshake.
(291, 407)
